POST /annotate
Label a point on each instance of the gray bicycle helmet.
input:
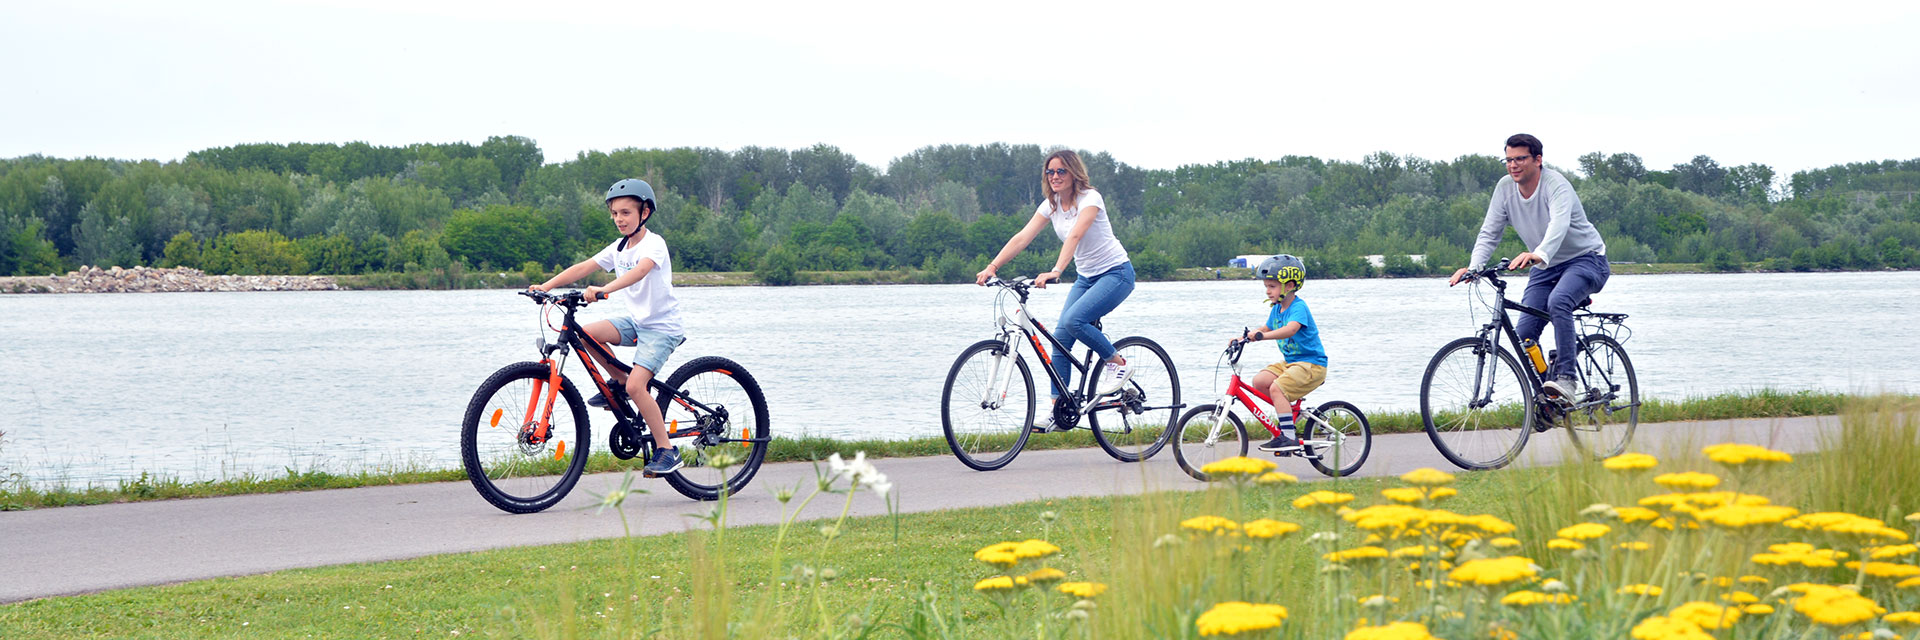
(632, 187)
(1283, 267)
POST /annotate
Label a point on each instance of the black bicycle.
(524, 457)
(1480, 403)
(987, 417)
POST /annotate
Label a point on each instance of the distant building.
(1380, 262)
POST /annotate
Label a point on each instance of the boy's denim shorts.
(652, 347)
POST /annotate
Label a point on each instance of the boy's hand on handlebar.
(595, 294)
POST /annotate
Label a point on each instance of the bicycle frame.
(1019, 321)
(573, 337)
(1238, 389)
(1503, 324)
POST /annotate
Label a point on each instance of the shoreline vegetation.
(16, 494)
(88, 279)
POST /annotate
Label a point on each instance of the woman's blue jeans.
(1091, 299)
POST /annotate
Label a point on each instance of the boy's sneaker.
(665, 461)
(1113, 378)
(600, 400)
(1563, 387)
(1282, 445)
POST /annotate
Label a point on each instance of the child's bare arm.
(639, 271)
(571, 274)
(1281, 333)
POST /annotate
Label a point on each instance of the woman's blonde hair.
(1076, 172)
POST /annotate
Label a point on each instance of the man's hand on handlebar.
(1523, 260)
(1459, 276)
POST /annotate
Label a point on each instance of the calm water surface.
(206, 385)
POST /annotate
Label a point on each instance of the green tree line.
(358, 208)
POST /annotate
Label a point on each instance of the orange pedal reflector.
(496, 417)
(561, 450)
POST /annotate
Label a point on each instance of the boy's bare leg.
(649, 410)
(604, 333)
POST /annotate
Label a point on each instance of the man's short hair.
(1525, 140)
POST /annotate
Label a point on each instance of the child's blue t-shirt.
(1303, 345)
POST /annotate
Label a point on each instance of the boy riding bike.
(1303, 365)
(652, 323)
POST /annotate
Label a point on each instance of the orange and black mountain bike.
(524, 456)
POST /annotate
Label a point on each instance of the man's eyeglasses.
(1519, 159)
(1054, 172)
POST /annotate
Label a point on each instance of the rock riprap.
(145, 280)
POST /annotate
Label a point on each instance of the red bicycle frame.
(1241, 391)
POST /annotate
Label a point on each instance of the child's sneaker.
(1282, 445)
(665, 461)
(1113, 378)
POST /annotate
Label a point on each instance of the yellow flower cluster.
(1007, 554)
(1267, 529)
(1634, 545)
(1649, 590)
(1887, 569)
(1229, 618)
(1356, 553)
(1412, 495)
(1735, 516)
(1665, 628)
(1738, 454)
(1907, 619)
(1584, 531)
(1695, 502)
(1392, 631)
(1504, 542)
(1800, 553)
(1632, 515)
(1892, 551)
(1000, 583)
(1427, 477)
(1404, 520)
(1237, 467)
(1045, 575)
(1210, 524)
(1833, 606)
(1494, 571)
(1328, 499)
(1274, 477)
(1085, 590)
(1563, 544)
(1847, 524)
(1530, 598)
(1688, 480)
(1629, 462)
(1706, 615)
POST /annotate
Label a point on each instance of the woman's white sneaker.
(1113, 378)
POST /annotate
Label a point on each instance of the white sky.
(1793, 85)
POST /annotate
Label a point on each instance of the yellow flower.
(1563, 544)
(1269, 529)
(1913, 517)
(1084, 590)
(1799, 553)
(1631, 515)
(1908, 583)
(1834, 606)
(1847, 524)
(1356, 553)
(1392, 631)
(1584, 531)
(1755, 580)
(1045, 575)
(999, 553)
(1740, 597)
(1210, 524)
(1494, 571)
(1504, 543)
(1376, 601)
(1427, 477)
(1665, 628)
(1530, 598)
(1757, 609)
(1237, 466)
(996, 583)
(1033, 549)
(1228, 618)
(1413, 495)
(1706, 615)
(1687, 480)
(1649, 590)
(1629, 462)
(1421, 551)
(1736, 516)
(1887, 569)
(1275, 477)
(1737, 454)
(1892, 551)
(1322, 499)
(1905, 619)
(1635, 545)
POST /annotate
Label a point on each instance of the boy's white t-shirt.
(1098, 251)
(650, 301)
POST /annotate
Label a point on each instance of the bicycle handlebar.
(572, 298)
(1492, 272)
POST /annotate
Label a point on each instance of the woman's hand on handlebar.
(984, 275)
(1040, 281)
(542, 287)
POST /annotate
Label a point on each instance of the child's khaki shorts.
(1297, 378)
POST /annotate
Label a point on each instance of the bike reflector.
(560, 451)
(496, 417)
(745, 433)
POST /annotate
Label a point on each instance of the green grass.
(888, 574)
(1765, 403)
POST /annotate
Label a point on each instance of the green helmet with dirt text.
(1284, 268)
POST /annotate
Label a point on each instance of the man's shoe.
(1282, 445)
(1563, 387)
(665, 461)
(1113, 378)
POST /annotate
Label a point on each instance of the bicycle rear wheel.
(986, 407)
(1613, 394)
(1133, 424)
(724, 418)
(1476, 404)
(509, 461)
(1206, 434)
(1350, 437)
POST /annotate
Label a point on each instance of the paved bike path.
(70, 550)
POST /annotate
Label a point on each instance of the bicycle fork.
(999, 376)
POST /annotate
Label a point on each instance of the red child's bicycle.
(1335, 437)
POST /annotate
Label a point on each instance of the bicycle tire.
(986, 438)
(1203, 439)
(1133, 432)
(1462, 422)
(721, 385)
(1605, 438)
(509, 471)
(1340, 416)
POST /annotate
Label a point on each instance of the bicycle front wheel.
(511, 461)
(1603, 420)
(1476, 404)
(986, 407)
(721, 419)
(1133, 424)
(1206, 434)
(1341, 437)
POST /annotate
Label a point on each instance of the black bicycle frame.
(576, 337)
(1047, 363)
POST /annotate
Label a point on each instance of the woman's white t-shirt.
(1098, 251)
(650, 301)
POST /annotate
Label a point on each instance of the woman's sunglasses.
(1054, 172)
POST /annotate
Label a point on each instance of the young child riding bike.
(1303, 364)
(652, 321)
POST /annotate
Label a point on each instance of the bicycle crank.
(624, 441)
